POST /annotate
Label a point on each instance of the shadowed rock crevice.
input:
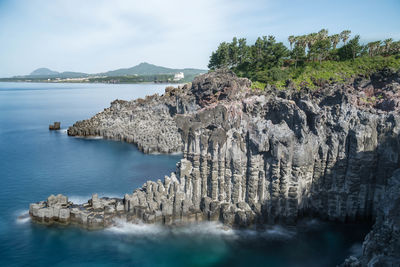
(250, 158)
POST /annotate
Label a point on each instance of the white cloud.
(94, 36)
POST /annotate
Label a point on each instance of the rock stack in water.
(255, 157)
(97, 213)
(55, 126)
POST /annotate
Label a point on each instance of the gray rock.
(95, 202)
(260, 157)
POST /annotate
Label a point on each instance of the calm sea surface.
(35, 163)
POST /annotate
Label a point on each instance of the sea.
(36, 162)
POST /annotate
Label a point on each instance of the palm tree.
(374, 48)
(371, 46)
(396, 47)
(388, 43)
(335, 39)
(291, 40)
(345, 35)
(377, 47)
(302, 41)
(311, 39)
(323, 34)
(308, 40)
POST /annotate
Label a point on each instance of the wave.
(23, 217)
(200, 230)
(84, 199)
(140, 229)
(172, 153)
(278, 232)
(206, 229)
(176, 153)
(89, 137)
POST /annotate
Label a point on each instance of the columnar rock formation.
(256, 157)
(147, 123)
(96, 214)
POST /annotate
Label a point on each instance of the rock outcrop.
(55, 126)
(252, 157)
(96, 214)
(147, 123)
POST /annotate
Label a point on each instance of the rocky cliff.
(251, 158)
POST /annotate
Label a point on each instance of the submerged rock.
(256, 157)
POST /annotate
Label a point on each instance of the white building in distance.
(179, 76)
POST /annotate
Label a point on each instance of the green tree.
(388, 43)
(220, 58)
(298, 54)
(351, 50)
(233, 53)
(323, 34)
(335, 39)
(213, 63)
(257, 53)
(320, 50)
(302, 41)
(370, 46)
(344, 35)
(291, 40)
(373, 48)
(244, 53)
(273, 52)
(311, 39)
(395, 48)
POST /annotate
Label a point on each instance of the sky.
(94, 36)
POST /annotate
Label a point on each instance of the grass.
(258, 85)
(313, 74)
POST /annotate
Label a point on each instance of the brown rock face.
(261, 157)
(220, 85)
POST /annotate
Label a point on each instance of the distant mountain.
(43, 72)
(142, 69)
(150, 69)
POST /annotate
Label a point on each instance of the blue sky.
(97, 35)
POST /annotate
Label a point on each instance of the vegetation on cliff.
(311, 59)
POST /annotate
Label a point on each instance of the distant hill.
(43, 72)
(150, 69)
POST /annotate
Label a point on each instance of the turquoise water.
(35, 163)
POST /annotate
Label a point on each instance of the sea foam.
(84, 199)
(23, 216)
(198, 230)
(203, 229)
